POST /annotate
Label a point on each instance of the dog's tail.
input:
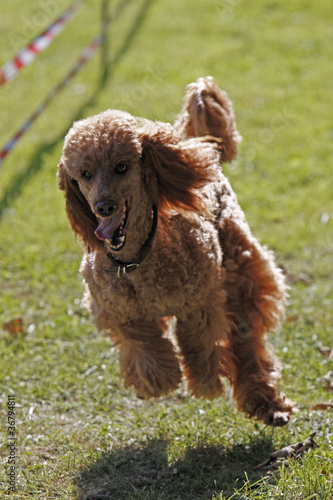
(208, 114)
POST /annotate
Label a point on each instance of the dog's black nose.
(105, 208)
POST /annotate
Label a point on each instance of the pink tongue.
(107, 226)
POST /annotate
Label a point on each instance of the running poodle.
(164, 237)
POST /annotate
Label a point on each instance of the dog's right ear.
(82, 221)
(174, 170)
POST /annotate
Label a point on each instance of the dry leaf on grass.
(307, 279)
(328, 381)
(327, 352)
(15, 328)
(292, 451)
(293, 318)
(322, 406)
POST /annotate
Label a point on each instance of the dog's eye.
(121, 168)
(87, 175)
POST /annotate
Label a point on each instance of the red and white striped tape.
(87, 53)
(26, 55)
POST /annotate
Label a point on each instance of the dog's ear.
(173, 169)
(82, 221)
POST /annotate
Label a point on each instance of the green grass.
(80, 432)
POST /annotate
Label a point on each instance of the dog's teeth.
(121, 241)
(124, 217)
(123, 220)
(119, 244)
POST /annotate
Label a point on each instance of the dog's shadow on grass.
(144, 472)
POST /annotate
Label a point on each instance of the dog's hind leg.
(255, 299)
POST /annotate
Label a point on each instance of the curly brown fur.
(205, 268)
(208, 113)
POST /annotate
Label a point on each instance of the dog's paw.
(277, 413)
(277, 418)
(152, 378)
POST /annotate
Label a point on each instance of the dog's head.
(113, 168)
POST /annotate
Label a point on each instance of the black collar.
(128, 267)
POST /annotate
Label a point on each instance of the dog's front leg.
(148, 360)
(200, 337)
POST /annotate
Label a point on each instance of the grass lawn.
(80, 433)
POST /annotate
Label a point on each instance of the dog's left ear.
(81, 219)
(173, 169)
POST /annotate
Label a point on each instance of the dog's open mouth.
(113, 229)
